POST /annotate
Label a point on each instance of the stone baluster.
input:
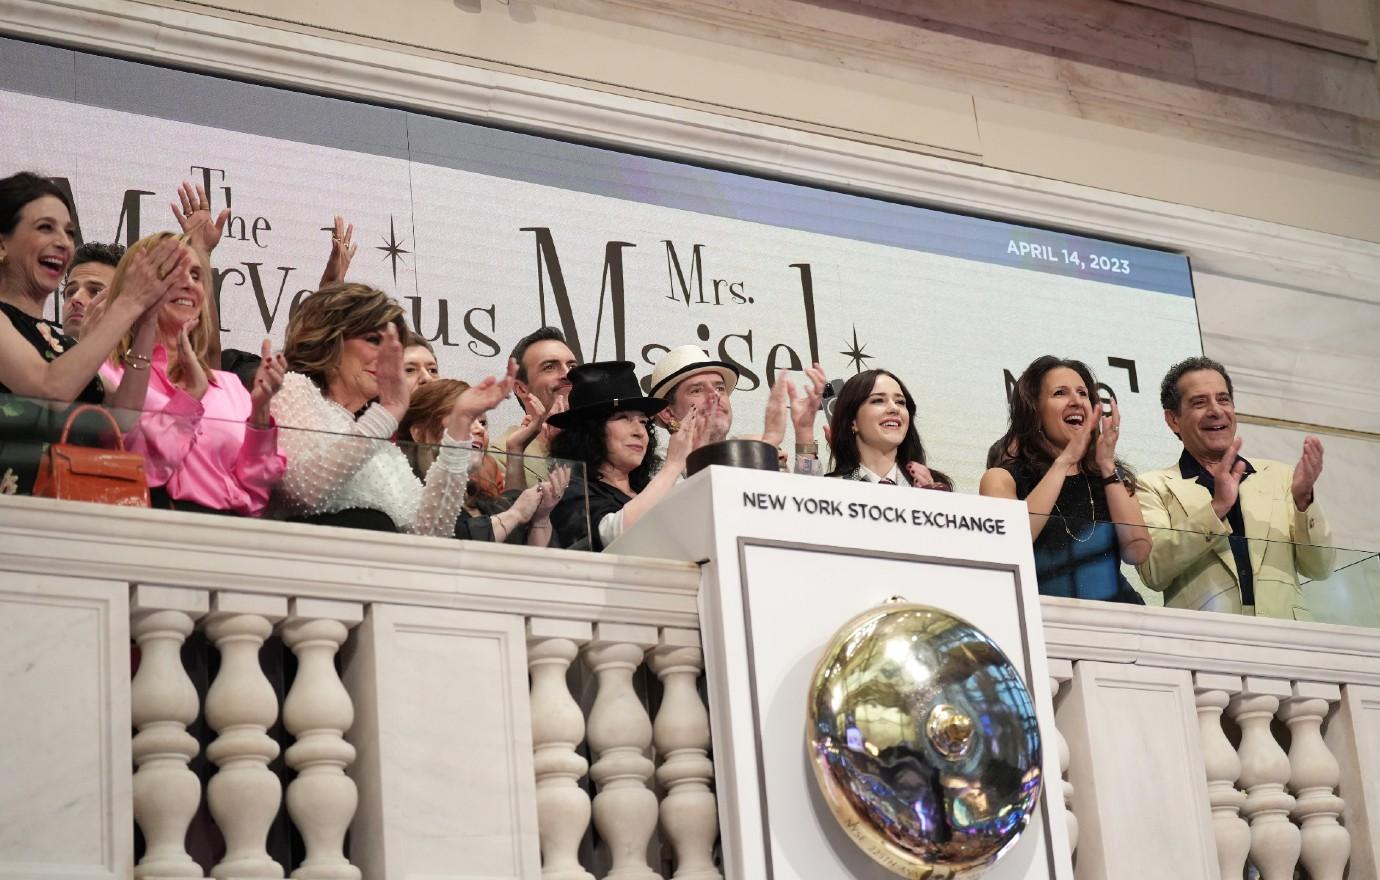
(558, 728)
(163, 701)
(1314, 775)
(1061, 671)
(1214, 693)
(625, 809)
(317, 712)
(241, 705)
(1264, 771)
(689, 812)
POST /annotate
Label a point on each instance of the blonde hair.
(201, 335)
(317, 331)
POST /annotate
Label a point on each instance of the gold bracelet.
(130, 356)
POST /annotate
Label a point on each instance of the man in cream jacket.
(1229, 534)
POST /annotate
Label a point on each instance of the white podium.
(785, 561)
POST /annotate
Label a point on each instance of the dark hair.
(1024, 441)
(18, 190)
(96, 252)
(584, 442)
(545, 334)
(1171, 397)
(843, 451)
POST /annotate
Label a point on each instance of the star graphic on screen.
(855, 352)
(393, 248)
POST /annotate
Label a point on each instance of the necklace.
(1092, 514)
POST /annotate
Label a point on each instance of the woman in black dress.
(1059, 456)
(608, 429)
(41, 368)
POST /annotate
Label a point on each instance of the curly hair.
(1024, 441)
(844, 457)
(584, 441)
(202, 335)
(1170, 395)
(317, 331)
(427, 411)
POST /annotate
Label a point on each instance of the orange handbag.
(85, 473)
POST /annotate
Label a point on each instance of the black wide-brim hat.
(602, 389)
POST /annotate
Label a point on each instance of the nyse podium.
(785, 560)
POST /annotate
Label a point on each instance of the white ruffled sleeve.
(444, 493)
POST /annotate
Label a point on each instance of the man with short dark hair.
(543, 363)
(1229, 534)
(89, 276)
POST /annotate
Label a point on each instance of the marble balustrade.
(514, 713)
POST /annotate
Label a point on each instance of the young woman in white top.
(339, 407)
(872, 435)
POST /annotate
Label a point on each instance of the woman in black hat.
(608, 429)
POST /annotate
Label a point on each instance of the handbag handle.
(105, 413)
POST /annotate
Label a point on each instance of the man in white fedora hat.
(687, 377)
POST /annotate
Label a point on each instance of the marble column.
(1264, 772)
(1233, 835)
(1061, 672)
(1313, 778)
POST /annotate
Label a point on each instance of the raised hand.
(805, 407)
(1227, 474)
(194, 380)
(1306, 472)
(153, 273)
(342, 252)
(559, 404)
(690, 437)
(193, 215)
(530, 426)
(1108, 434)
(774, 425)
(267, 380)
(479, 399)
(393, 393)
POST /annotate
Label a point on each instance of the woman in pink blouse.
(209, 444)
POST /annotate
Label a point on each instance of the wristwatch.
(1115, 477)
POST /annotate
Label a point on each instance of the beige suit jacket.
(1190, 557)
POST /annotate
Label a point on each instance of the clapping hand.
(806, 406)
(531, 425)
(552, 490)
(1081, 437)
(774, 425)
(342, 252)
(694, 429)
(479, 399)
(1107, 436)
(922, 478)
(1227, 474)
(393, 392)
(194, 380)
(1306, 472)
(267, 380)
(193, 215)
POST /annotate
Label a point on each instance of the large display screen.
(485, 235)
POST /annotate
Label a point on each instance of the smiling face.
(625, 437)
(188, 300)
(85, 282)
(547, 364)
(708, 392)
(419, 366)
(37, 252)
(1064, 406)
(1206, 420)
(883, 418)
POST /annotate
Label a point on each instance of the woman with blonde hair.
(209, 444)
(346, 394)
(489, 514)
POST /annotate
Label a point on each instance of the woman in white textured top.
(339, 408)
